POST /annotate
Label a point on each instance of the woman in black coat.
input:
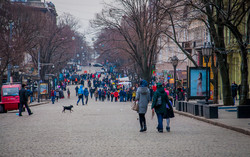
(162, 107)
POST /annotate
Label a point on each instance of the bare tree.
(230, 14)
(139, 23)
(25, 31)
(15, 34)
(54, 43)
(109, 45)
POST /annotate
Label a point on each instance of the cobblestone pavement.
(111, 129)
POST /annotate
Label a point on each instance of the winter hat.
(143, 83)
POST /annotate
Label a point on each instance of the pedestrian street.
(111, 129)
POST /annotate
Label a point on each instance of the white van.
(79, 68)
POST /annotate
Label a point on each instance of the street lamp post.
(16, 69)
(174, 61)
(206, 52)
(9, 65)
(38, 71)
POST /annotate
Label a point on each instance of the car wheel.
(2, 109)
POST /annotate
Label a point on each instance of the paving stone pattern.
(102, 129)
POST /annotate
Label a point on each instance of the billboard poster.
(197, 82)
(44, 88)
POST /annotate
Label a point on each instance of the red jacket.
(116, 94)
(52, 93)
(154, 88)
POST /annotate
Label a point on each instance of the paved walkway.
(111, 129)
(227, 118)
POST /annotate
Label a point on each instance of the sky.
(83, 10)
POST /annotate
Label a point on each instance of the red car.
(10, 97)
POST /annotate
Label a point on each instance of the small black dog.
(67, 108)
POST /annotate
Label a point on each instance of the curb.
(240, 130)
(41, 103)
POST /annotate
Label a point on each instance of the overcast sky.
(84, 10)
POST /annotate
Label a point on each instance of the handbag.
(135, 106)
(170, 111)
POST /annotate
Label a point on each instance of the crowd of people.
(106, 87)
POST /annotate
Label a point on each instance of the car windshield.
(10, 91)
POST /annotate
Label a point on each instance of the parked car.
(79, 68)
(97, 65)
(10, 97)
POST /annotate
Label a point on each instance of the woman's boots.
(143, 126)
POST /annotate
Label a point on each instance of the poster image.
(197, 82)
(44, 88)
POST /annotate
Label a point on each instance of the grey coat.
(143, 95)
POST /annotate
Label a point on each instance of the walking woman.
(162, 107)
(68, 92)
(96, 94)
(143, 97)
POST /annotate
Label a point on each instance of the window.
(10, 91)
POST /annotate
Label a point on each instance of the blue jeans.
(53, 99)
(121, 98)
(86, 98)
(31, 99)
(160, 119)
(234, 100)
(79, 98)
(130, 97)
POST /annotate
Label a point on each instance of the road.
(111, 129)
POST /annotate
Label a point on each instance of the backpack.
(158, 101)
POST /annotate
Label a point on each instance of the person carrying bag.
(162, 107)
(143, 97)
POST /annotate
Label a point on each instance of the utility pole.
(9, 65)
(38, 71)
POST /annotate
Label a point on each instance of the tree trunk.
(244, 77)
(146, 75)
(218, 36)
(244, 65)
(215, 80)
(226, 88)
(216, 87)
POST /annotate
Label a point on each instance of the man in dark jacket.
(92, 90)
(86, 95)
(234, 91)
(23, 94)
(76, 90)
